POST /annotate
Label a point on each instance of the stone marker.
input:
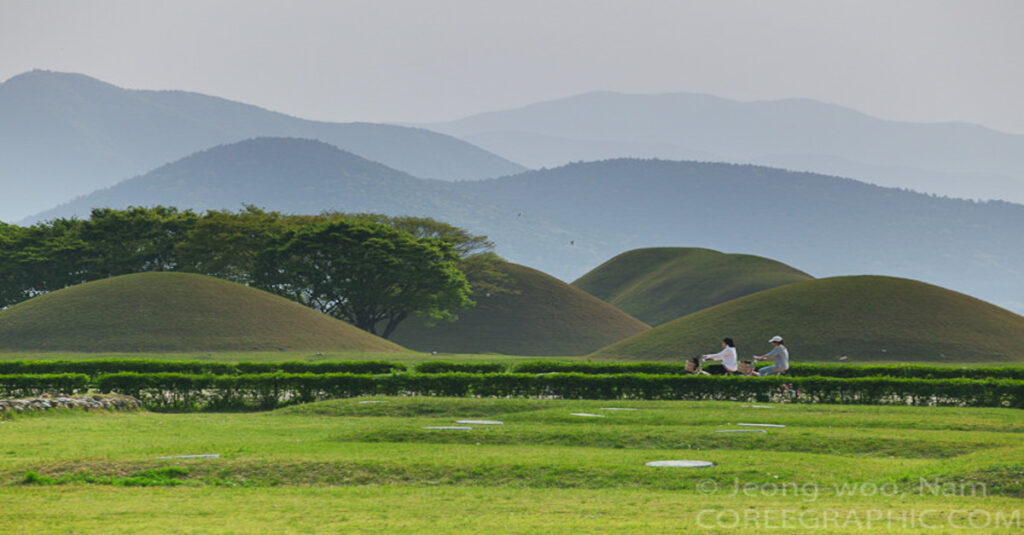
(480, 422)
(680, 464)
(762, 425)
(371, 401)
(587, 414)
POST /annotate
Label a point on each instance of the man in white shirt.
(727, 356)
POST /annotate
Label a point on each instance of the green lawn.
(342, 465)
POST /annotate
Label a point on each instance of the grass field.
(348, 466)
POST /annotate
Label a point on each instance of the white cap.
(776, 339)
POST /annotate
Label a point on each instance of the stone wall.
(110, 402)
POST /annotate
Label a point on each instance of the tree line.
(370, 270)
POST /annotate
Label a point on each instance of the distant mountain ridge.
(65, 134)
(568, 220)
(293, 175)
(305, 176)
(954, 159)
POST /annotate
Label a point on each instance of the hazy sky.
(416, 61)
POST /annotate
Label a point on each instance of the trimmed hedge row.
(195, 392)
(464, 367)
(910, 371)
(919, 371)
(604, 368)
(95, 368)
(20, 386)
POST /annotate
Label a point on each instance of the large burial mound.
(540, 315)
(174, 312)
(864, 318)
(661, 284)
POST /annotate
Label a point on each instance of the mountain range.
(953, 159)
(63, 135)
(567, 220)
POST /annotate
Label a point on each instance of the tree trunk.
(392, 323)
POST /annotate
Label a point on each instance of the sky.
(424, 61)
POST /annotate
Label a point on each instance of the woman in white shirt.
(728, 357)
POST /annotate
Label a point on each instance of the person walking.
(779, 355)
(727, 356)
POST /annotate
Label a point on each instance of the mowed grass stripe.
(674, 413)
(430, 509)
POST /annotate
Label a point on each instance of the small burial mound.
(540, 315)
(862, 318)
(172, 312)
(661, 284)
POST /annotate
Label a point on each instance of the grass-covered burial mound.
(661, 284)
(171, 312)
(864, 318)
(540, 315)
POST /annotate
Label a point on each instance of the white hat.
(776, 339)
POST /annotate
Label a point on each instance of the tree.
(134, 240)
(368, 274)
(41, 258)
(225, 244)
(465, 243)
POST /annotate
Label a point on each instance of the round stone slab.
(760, 406)
(448, 428)
(681, 464)
(366, 401)
(587, 414)
(480, 422)
(762, 425)
(741, 431)
(618, 409)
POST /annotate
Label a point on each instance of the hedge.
(94, 368)
(919, 371)
(195, 392)
(24, 385)
(466, 367)
(654, 368)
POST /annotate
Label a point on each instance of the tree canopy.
(368, 274)
(368, 269)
